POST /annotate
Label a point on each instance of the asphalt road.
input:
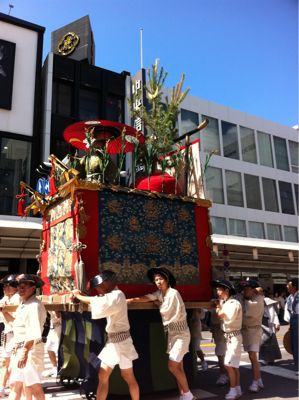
(280, 380)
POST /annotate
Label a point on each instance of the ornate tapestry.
(60, 256)
(137, 233)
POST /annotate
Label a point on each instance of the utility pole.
(141, 48)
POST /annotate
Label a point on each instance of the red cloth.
(155, 184)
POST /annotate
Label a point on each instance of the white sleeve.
(103, 306)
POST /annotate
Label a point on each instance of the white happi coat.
(173, 311)
(113, 307)
(28, 325)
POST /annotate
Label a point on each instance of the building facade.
(252, 179)
(21, 44)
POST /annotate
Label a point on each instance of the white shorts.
(9, 343)
(233, 351)
(252, 338)
(124, 363)
(255, 347)
(53, 339)
(178, 345)
(121, 353)
(30, 374)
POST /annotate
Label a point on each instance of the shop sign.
(249, 274)
(281, 281)
(264, 276)
(278, 275)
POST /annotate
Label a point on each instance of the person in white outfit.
(269, 350)
(220, 345)
(11, 297)
(174, 319)
(28, 352)
(53, 340)
(229, 310)
(253, 310)
(111, 303)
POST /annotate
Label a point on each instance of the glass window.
(291, 234)
(88, 104)
(253, 193)
(237, 227)
(294, 154)
(265, 149)
(256, 230)
(219, 225)
(281, 154)
(274, 232)
(286, 198)
(248, 145)
(15, 157)
(210, 135)
(214, 185)
(270, 195)
(62, 99)
(297, 196)
(230, 140)
(114, 108)
(234, 189)
(189, 120)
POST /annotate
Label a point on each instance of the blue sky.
(239, 53)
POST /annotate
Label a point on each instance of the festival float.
(100, 214)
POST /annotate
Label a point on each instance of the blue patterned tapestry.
(138, 232)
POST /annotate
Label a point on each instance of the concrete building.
(252, 180)
(21, 44)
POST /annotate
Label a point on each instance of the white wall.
(20, 118)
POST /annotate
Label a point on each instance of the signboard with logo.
(43, 186)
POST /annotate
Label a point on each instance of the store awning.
(256, 254)
(20, 238)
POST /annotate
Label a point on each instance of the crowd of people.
(245, 318)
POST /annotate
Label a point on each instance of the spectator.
(269, 350)
(291, 316)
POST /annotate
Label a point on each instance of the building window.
(234, 189)
(237, 227)
(286, 198)
(62, 99)
(270, 195)
(248, 145)
(253, 193)
(230, 140)
(256, 230)
(15, 158)
(273, 232)
(281, 154)
(294, 154)
(290, 234)
(214, 184)
(219, 225)
(189, 120)
(210, 136)
(114, 108)
(296, 196)
(88, 104)
(265, 149)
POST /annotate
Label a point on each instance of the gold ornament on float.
(68, 44)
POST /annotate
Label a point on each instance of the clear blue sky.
(239, 53)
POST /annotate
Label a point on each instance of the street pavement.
(280, 380)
